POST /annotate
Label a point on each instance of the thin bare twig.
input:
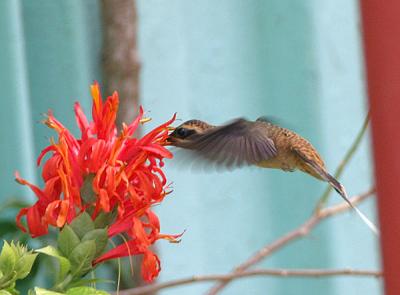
(256, 272)
(297, 233)
(346, 159)
(241, 271)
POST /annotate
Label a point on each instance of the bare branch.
(297, 233)
(241, 271)
(257, 272)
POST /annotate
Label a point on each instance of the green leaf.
(82, 224)
(103, 220)
(100, 237)
(7, 259)
(15, 263)
(85, 282)
(65, 265)
(8, 280)
(5, 292)
(24, 265)
(87, 193)
(7, 227)
(86, 291)
(81, 258)
(40, 291)
(11, 290)
(67, 240)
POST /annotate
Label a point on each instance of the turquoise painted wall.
(50, 54)
(299, 61)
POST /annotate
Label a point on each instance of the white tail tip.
(368, 222)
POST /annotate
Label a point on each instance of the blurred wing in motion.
(238, 143)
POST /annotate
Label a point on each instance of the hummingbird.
(256, 143)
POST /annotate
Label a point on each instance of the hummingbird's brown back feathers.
(289, 145)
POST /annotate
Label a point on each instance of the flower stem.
(62, 285)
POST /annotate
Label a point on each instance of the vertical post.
(121, 65)
(121, 68)
(381, 28)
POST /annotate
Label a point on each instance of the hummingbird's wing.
(238, 143)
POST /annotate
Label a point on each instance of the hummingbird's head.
(187, 131)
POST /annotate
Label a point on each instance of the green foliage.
(67, 240)
(79, 244)
(85, 291)
(8, 227)
(40, 291)
(72, 291)
(100, 237)
(87, 193)
(15, 264)
(65, 264)
(81, 258)
(104, 219)
(82, 224)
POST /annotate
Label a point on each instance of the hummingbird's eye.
(182, 132)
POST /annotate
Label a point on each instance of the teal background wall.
(299, 61)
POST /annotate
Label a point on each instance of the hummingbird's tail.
(321, 172)
(342, 192)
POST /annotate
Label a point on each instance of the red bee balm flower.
(103, 172)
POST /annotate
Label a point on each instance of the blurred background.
(299, 61)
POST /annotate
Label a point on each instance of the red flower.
(123, 172)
